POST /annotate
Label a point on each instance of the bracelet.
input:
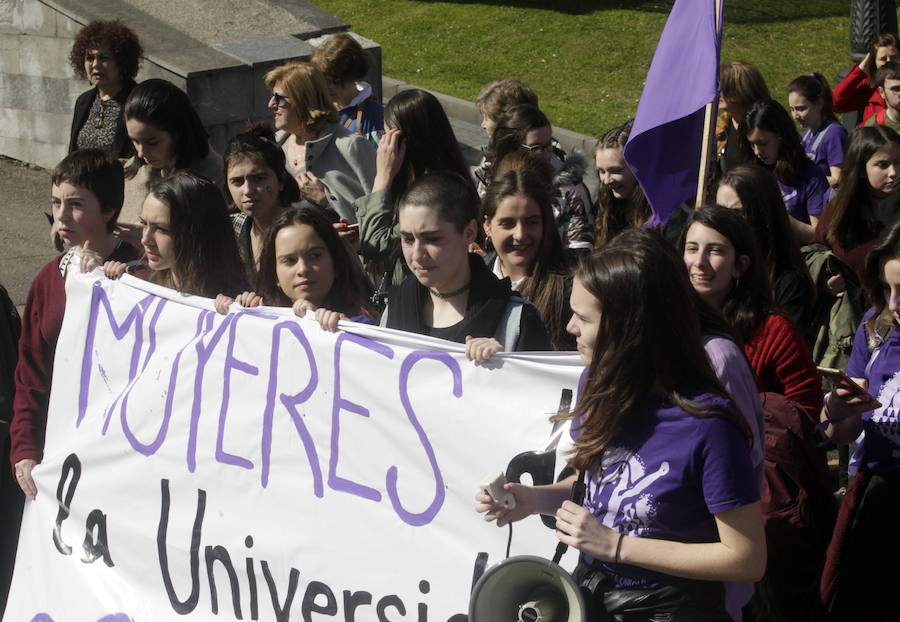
(619, 548)
(822, 425)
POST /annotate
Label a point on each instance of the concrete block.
(219, 135)
(9, 54)
(267, 50)
(391, 87)
(35, 93)
(66, 27)
(38, 19)
(311, 14)
(261, 93)
(186, 61)
(8, 16)
(150, 69)
(42, 154)
(13, 122)
(45, 56)
(222, 96)
(51, 128)
(11, 17)
(41, 127)
(77, 86)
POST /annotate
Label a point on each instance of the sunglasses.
(281, 101)
(538, 148)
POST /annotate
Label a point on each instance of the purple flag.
(665, 143)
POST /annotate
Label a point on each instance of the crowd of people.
(701, 429)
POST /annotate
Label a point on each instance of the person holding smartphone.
(861, 559)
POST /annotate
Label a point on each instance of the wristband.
(619, 548)
(828, 421)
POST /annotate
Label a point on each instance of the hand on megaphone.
(494, 510)
(578, 528)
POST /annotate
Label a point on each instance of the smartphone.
(838, 377)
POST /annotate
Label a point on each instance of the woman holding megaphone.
(671, 509)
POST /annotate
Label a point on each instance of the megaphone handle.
(576, 496)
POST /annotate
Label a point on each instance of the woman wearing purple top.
(768, 137)
(863, 547)
(823, 136)
(671, 509)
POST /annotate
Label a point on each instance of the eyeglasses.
(281, 101)
(100, 58)
(538, 148)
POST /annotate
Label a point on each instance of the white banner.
(254, 467)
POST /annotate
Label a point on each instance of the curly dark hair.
(123, 44)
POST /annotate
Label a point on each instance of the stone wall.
(216, 54)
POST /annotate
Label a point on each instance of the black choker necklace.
(453, 294)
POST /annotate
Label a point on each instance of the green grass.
(586, 60)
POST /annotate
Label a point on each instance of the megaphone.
(527, 588)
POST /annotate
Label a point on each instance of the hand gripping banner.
(252, 466)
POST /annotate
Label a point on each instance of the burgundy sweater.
(782, 364)
(41, 324)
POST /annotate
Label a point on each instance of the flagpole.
(709, 124)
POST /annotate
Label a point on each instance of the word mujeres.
(285, 394)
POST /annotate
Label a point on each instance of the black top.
(485, 309)
(122, 147)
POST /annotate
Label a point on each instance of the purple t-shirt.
(665, 476)
(825, 148)
(880, 447)
(806, 196)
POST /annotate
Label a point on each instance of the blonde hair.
(500, 95)
(306, 91)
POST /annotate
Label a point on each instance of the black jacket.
(486, 307)
(123, 147)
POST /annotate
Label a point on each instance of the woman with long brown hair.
(525, 129)
(523, 243)
(305, 264)
(621, 203)
(671, 509)
(187, 238)
(418, 139)
(754, 192)
(856, 215)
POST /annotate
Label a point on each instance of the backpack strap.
(358, 116)
(508, 328)
(818, 141)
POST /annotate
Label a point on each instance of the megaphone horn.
(527, 588)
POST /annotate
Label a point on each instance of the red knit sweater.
(783, 364)
(41, 324)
